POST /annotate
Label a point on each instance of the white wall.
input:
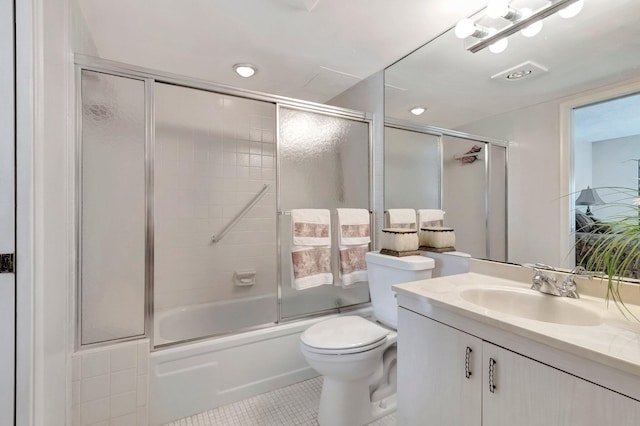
(614, 165)
(81, 38)
(53, 153)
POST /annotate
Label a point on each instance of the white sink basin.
(531, 304)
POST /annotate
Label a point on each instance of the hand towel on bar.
(311, 227)
(354, 227)
(402, 218)
(430, 217)
(353, 266)
(310, 267)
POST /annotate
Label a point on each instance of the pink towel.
(311, 267)
(353, 266)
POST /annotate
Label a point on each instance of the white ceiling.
(599, 46)
(315, 49)
(305, 49)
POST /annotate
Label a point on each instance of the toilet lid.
(348, 332)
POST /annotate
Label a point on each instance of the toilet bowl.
(356, 356)
(347, 351)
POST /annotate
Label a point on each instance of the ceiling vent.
(522, 71)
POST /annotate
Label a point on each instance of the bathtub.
(211, 319)
(195, 377)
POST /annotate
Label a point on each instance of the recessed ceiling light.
(518, 74)
(528, 69)
(417, 110)
(245, 70)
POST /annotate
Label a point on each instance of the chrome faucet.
(545, 283)
(569, 285)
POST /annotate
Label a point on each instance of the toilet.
(356, 356)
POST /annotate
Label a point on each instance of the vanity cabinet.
(438, 383)
(503, 388)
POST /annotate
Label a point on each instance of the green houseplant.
(614, 248)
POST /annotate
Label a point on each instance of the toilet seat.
(344, 335)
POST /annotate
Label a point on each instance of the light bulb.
(499, 46)
(245, 70)
(417, 110)
(532, 29)
(571, 10)
(497, 8)
(464, 28)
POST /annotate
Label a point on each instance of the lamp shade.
(589, 197)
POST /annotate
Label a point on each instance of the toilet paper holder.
(246, 277)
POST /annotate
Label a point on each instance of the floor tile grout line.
(287, 406)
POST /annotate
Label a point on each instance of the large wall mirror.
(528, 95)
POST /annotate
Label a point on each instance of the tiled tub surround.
(110, 385)
(213, 154)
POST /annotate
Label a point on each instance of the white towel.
(311, 227)
(353, 265)
(402, 218)
(310, 267)
(430, 217)
(354, 227)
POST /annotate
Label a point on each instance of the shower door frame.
(150, 77)
(148, 172)
(440, 132)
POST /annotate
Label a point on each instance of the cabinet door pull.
(492, 364)
(467, 371)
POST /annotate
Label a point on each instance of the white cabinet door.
(7, 216)
(524, 392)
(433, 362)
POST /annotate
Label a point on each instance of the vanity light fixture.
(417, 110)
(467, 28)
(572, 10)
(245, 70)
(524, 20)
(498, 46)
(500, 9)
(533, 29)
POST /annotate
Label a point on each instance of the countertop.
(615, 342)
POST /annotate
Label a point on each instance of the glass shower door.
(323, 164)
(215, 213)
(412, 170)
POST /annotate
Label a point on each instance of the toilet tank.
(385, 271)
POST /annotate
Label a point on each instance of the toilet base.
(348, 404)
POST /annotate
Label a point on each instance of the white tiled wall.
(213, 154)
(110, 385)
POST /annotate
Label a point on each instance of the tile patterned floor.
(289, 406)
